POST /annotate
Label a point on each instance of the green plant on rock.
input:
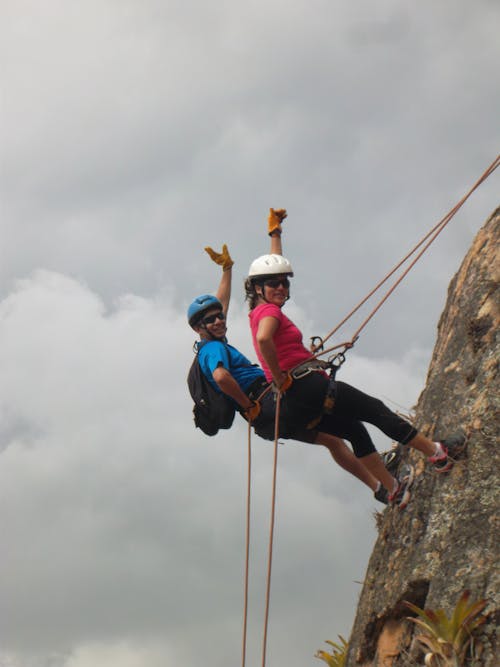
(337, 657)
(447, 639)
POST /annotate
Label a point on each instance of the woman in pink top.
(279, 347)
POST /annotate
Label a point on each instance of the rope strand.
(247, 547)
(432, 235)
(271, 531)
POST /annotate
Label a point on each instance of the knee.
(379, 407)
(362, 449)
(331, 442)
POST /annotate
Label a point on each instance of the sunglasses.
(210, 319)
(276, 282)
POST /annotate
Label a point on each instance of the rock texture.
(448, 538)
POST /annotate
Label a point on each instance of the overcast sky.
(132, 135)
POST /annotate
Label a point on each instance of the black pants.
(300, 405)
(352, 407)
(303, 403)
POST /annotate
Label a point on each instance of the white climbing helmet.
(269, 265)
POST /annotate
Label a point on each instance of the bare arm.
(276, 245)
(265, 342)
(276, 217)
(229, 386)
(224, 290)
(223, 259)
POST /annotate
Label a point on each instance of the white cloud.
(119, 654)
(124, 526)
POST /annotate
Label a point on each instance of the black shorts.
(299, 406)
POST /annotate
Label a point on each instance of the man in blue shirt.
(224, 366)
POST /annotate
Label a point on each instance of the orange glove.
(222, 258)
(252, 412)
(275, 219)
(286, 382)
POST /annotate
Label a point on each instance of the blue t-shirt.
(214, 353)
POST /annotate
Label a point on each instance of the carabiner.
(337, 360)
(320, 346)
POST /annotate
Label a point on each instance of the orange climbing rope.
(271, 538)
(247, 544)
(430, 237)
(271, 529)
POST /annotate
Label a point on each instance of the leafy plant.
(447, 639)
(337, 657)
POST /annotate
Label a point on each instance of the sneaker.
(392, 458)
(452, 447)
(382, 495)
(401, 497)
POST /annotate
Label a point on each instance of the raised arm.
(274, 220)
(224, 260)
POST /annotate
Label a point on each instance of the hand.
(222, 258)
(252, 412)
(284, 383)
(275, 219)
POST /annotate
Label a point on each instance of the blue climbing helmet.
(200, 305)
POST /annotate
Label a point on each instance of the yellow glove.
(252, 412)
(275, 219)
(222, 258)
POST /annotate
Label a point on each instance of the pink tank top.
(288, 339)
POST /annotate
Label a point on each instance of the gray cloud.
(132, 136)
(123, 525)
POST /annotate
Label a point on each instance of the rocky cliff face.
(448, 538)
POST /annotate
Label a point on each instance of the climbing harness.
(312, 366)
(333, 364)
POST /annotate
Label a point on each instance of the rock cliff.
(448, 538)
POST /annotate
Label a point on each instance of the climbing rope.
(247, 544)
(428, 239)
(271, 528)
(271, 535)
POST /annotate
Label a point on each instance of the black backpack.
(212, 410)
